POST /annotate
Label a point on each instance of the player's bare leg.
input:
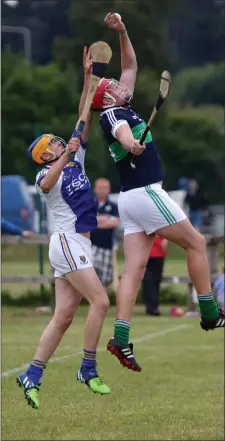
(88, 283)
(194, 244)
(67, 300)
(135, 264)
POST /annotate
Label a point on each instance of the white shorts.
(148, 209)
(69, 252)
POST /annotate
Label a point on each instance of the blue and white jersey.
(71, 200)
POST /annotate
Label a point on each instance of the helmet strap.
(54, 157)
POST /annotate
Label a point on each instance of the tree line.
(40, 98)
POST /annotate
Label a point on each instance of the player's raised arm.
(87, 66)
(128, 57)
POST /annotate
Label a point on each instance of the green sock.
(121, 330)
(208, 306)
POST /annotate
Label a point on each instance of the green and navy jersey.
(148, 165)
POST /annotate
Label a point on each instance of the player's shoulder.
(114, 113)
(135, 115)
(41, 174)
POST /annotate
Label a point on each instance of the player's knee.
(101, 301)
(137, 272)
(198, 243)
(201, 243)
(104, 304)
(141, 272)
(63, 319)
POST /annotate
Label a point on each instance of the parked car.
(16, 202)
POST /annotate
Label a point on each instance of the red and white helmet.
(103, 98)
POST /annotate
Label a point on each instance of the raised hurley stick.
(164, 90)
(101, 55)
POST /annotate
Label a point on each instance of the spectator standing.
(103, 237)
(196, 202)
(153, 276)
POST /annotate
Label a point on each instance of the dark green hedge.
(168, 296)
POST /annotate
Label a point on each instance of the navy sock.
(35, 371)
(89, 359)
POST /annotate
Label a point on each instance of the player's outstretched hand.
(73, 145)
(87, 61)
(136, 148)
(114, 21)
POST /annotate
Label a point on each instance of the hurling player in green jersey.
(144, 206)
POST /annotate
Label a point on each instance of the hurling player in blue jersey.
(69, 196)
(144, 207)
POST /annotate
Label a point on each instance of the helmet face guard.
(106, 93)
(43, 144)
(119, 89)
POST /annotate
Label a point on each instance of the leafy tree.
(45, 99)
(191, 146)
(34, 99)
(146, 22)
(199, 85)
(196, 34)
(45, 19)
(41, 99)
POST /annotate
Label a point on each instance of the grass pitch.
(177, 396)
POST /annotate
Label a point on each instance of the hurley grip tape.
(98, 69)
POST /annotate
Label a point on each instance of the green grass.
(177, 396)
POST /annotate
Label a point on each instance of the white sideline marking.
(135, 340)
